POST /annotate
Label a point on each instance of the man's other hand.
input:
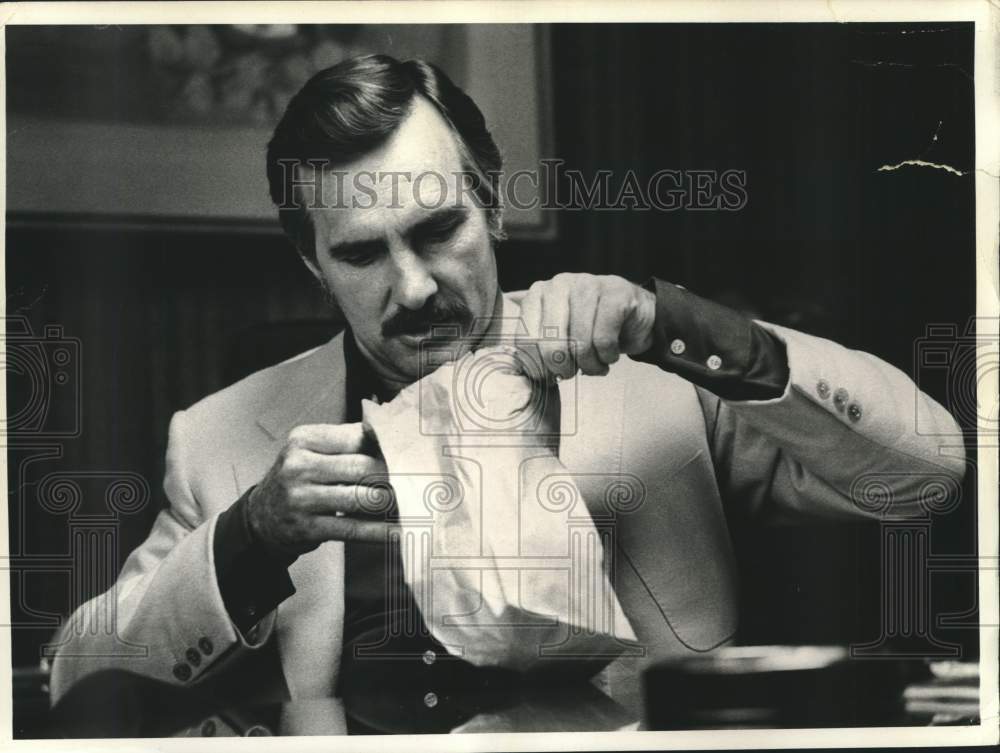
(320, 483)
(586, 322)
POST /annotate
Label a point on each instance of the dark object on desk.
(116, 704)
(773, 687)
(112, 703)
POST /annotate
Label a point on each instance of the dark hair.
(353, 107)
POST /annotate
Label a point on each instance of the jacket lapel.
(310, 622)
(312, 391)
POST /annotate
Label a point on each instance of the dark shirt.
(708, 344)
(377, 601)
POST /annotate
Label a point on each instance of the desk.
(119, 704)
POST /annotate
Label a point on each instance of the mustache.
(437, 310)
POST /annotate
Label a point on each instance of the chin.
(405, 363)
(422, 360)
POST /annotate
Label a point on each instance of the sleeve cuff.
(252, 580)
(714, 347)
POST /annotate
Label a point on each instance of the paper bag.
(498, 549)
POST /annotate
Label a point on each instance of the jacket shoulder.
(241, 403)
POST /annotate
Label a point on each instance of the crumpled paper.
(504, 562)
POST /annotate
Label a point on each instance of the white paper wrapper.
(498, 548)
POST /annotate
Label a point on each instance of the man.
(265, 553)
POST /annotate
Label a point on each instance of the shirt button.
(714, 363)
(823, 389)
(182, 672)
(257, 730)
(206, 646)
(193, 656)
(252, 634)
(429, 657)
(677, 347)
(840, 398)
(854, 412)
(430, 700)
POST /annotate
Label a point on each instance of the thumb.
(637, 329)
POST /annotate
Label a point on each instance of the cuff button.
(182, 672)
(854, 412)
(823, 389)
(677, 347)
(193, 656)
(206, 646)
(840, 398)
(714, 363)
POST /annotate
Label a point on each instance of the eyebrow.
(441, 218)
(355, 248)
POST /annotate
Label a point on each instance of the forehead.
(413, 173)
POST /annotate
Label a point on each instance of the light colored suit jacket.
(687, 451)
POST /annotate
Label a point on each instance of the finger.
(350, 468)
(328, 528)
(517, 296)
(584, 298)
(608, 322)
(328, 438)
(527, 334)
(347, 499)
(531, 313)
(556, 350)
(640, 318)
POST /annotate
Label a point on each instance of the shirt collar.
(361, 382)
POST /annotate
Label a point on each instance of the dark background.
(827, 243)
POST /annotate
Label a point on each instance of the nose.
(414, 284)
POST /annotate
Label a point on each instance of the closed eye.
(359, 260)
(440, 228)
(358, 254)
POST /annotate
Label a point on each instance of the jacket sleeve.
(164, 618)
(842, 440)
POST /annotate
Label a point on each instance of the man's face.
(401, 252)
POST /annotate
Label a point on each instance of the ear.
(303, 236)
(312, 267)
(327, 293)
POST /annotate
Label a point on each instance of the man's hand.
(319, 482)
(595, 320)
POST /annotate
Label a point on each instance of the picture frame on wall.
(217, 91)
